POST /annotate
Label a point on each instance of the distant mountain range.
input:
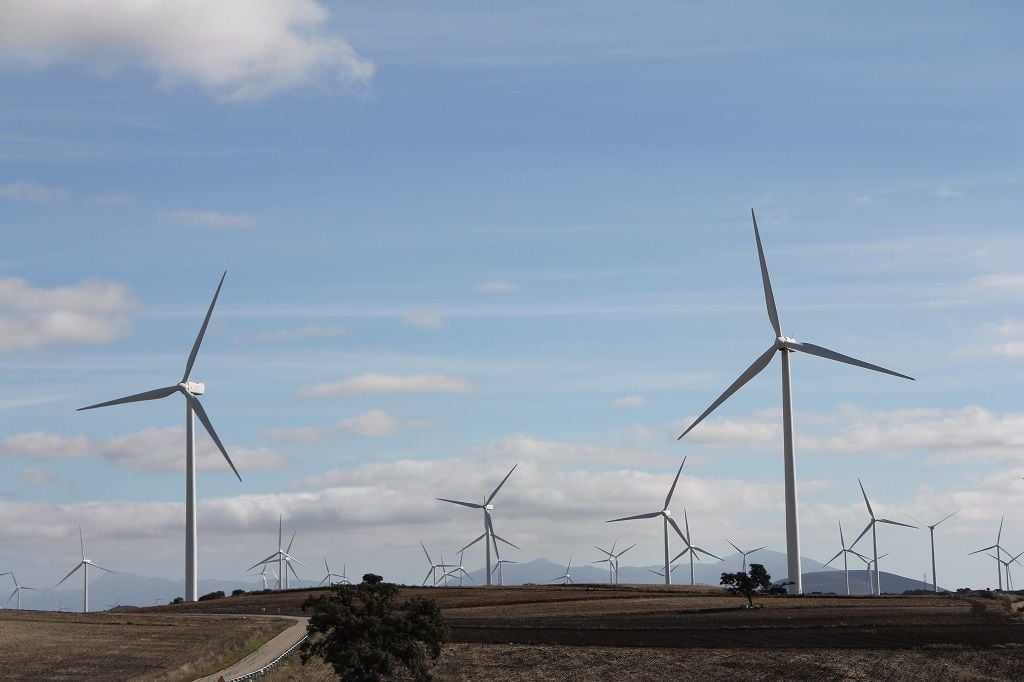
(126, 589)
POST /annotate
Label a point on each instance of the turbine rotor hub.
(667, 512)
(489, 507)
(193, 387)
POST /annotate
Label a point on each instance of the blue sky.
(493, 235)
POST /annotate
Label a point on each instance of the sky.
(460, 237)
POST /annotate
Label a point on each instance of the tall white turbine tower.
(874, 537)
(84, 564)
(785, 345)
(667, 520)
(488, 536)
(190, 390)
(931, 534)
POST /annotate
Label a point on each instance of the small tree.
(757, 581)
(363, 633)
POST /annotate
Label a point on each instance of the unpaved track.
(265, 654)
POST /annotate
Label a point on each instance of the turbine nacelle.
(666, 512)
(488, 507)
(193, 387)
(783, 342)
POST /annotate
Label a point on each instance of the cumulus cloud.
(376, 383)
(210, 219)
(149, 450)
(630, 401)
(87, 312)
(427, 320)
(31, 191)
(239, 50)
(303, 333)
(498, 287)
(372, 424)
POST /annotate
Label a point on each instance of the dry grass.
(122, 646)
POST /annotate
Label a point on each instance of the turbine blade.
(983, 549)
(842, 541)
(638, 516)
(747, 375)
(69, 574)
(838, 554)
(481, 537)
(704, 551)
(202, 330)
(823, 352)
(626, 550)
(870, 512)
(289, 548)
(999, 537)
(100, 567)
(201, 413)
(676, 558)
(668, 498)
(916, 520)
(866, 529)
(291, 558)
(498, 537)
(265, 561)
(947, 516)
(895, 523)
(471, 505)
(81, 541)
(155, 394)
(491, 497)
(734, 546)
(675, 526)
(757, 550)
(769, 298)
(429, 560)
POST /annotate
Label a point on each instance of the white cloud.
(498, 287)
(87, 312)
(298, 434)
(210, 219)
(149, 450)
(31, 191)
(304, 333)
(428, 320)
(239, 50)
(372, 424)
(1008, 282)
(630, 401)
(374, 383)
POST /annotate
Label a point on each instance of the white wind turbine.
(1006, 566)
(667, 520)
(432, 573)
(18, 589)
(327, 578)
(785, 345)
(488, 536)
(931, 534)
(566, 579)
(746, 553)
(661, 574)
(501, 574)
(612, 560)
(459, 571)
(84, 564)
(691, 549)
(844, 552)
(190, 390)
(874, 537)
(999, 552)
(283, 558)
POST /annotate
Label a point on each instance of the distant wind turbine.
(501, 574)
(874, 537)
(566, 579)
(18, 589)
(785, 345)
(999, 550)
(283, 557)
(84, 564)
(432, 573)
(488, 536)
(844, 552)
(327, 578)
(661, 574)
(1006, 566)
(746, 553)
(459, 571)
(691, 549)
(190, 390)
(613, 561)
(931, 534)
(666, 518)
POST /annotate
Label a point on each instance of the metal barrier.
(270, 666)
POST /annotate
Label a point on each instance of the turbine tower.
(667, 520)
(691, 549)
(18, 589)
(997, 547)
(283, 558)
(501, 574)
(84, 564)
(488, 536)
(746, 553)
(874, 538)
(190, 390)
(931, 534)
(843, 552)
(785, 345)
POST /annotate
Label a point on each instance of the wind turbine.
(459, 571)
(997, 547)
(327, 578)
(867, 568)
(785, 345)
(566, 579)
(661, 574)
(18, 589)
(691, 549)
(874, 538)
(190, 390)
(843, 552)
(84, 564)
(931, 534)
(610, 559)
(745, 554)
(263, 576)
(283, 557)
(432, 573)
(501, 574)
(1006, 566)
(616, 557)
(666, 517)
(488, 536)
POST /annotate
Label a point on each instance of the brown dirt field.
(36, 645)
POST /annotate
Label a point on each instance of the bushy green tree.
(757, 581)
(364, 634)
